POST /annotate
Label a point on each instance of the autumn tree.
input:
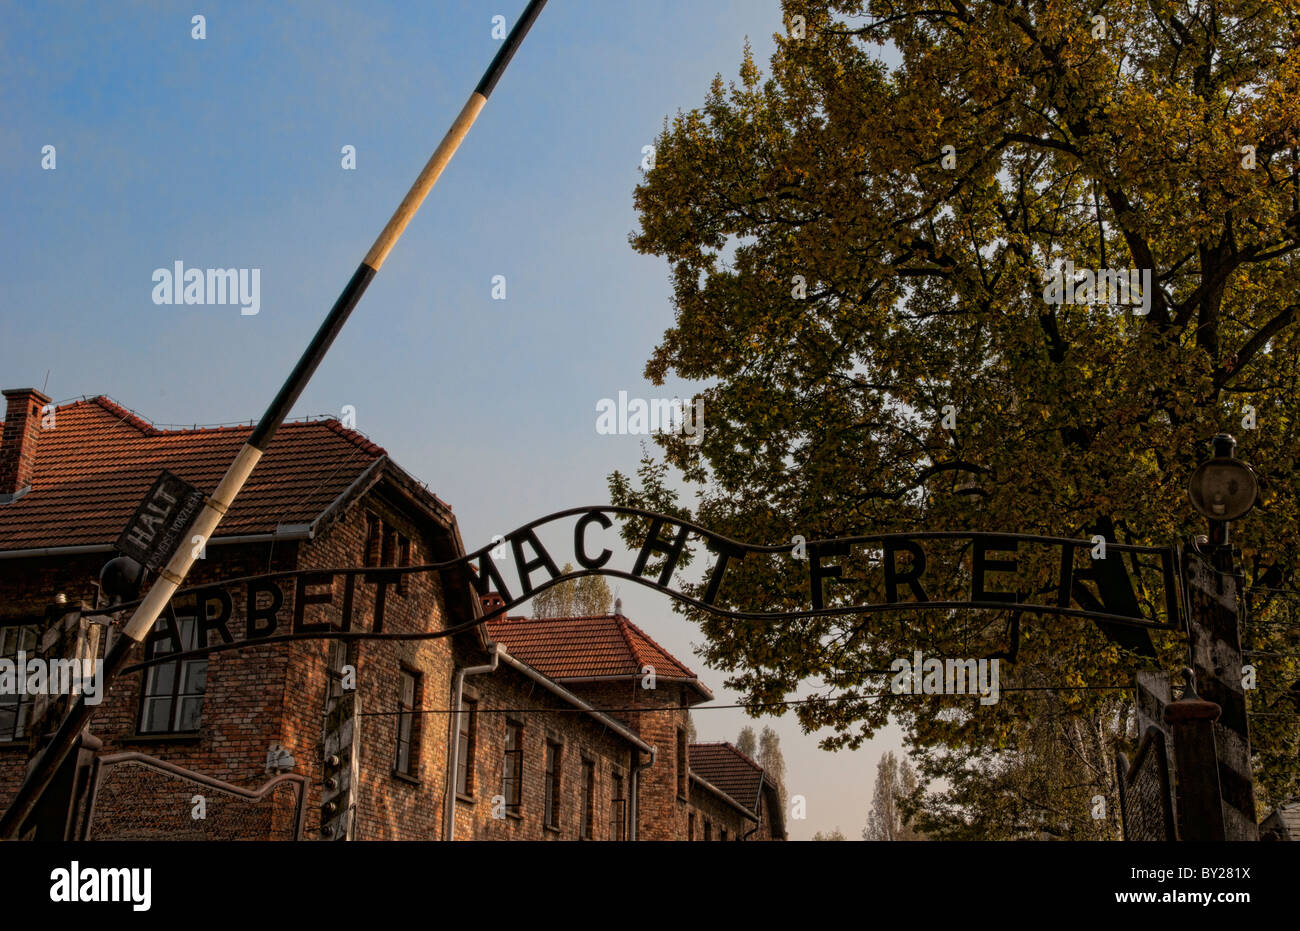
(836, 834)
(896, 785)
(765, 750)
(860, 246)
(772, 760)
(747, 742)
(1048, 783)
(584, 596)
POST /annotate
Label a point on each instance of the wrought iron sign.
(849, 575)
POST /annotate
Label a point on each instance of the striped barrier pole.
(173, 574)
(1213, 589)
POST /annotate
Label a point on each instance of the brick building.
(731, 793)
(571, 728)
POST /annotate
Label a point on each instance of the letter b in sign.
(261, 620)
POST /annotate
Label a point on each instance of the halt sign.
(162, 519)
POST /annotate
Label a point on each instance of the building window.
(512, 771)
(552, 806)
(465, 741)
(708, 829)
(172, 699)
(588, 799)
(374, 539)
(722, 834)
(407, 729)
(15, 709)
(690, 826)
(681, 763)
(617, 809)
(386, 548)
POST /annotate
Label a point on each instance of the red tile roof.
(580, 647)
(726, 768)
(96, 463)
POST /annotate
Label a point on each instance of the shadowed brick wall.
(658, 715)
(579, 734)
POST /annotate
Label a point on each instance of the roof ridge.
(746, 757)
(622, 623)
(123, 413)
(315, 473)
(564, 617)
(734, 749)
(354, 436)
(592, 647)
(149, 428)
(690, 672)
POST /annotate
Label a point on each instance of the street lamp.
(1223, 489)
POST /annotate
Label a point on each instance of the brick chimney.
(21, 432)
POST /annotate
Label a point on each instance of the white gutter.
(552, 686)
(758, 808)
(293, 532)
(625, 676)
(693, 681)
(634, 795)
(57, 550)
(290, 532)
(453, 739)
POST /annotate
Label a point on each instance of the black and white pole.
(215, 507)
(1223, 489)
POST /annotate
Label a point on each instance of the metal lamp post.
(1223, 489)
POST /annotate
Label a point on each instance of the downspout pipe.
(634, 795)
(453, 737)
(758, 809)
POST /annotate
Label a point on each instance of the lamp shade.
(1223, 488)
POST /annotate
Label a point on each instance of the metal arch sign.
(833, 576)
(828, 562)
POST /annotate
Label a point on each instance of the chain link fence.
(134, 796)
(1146, 802)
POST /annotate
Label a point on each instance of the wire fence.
(138, 797)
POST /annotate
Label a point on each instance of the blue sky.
(225, 152)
